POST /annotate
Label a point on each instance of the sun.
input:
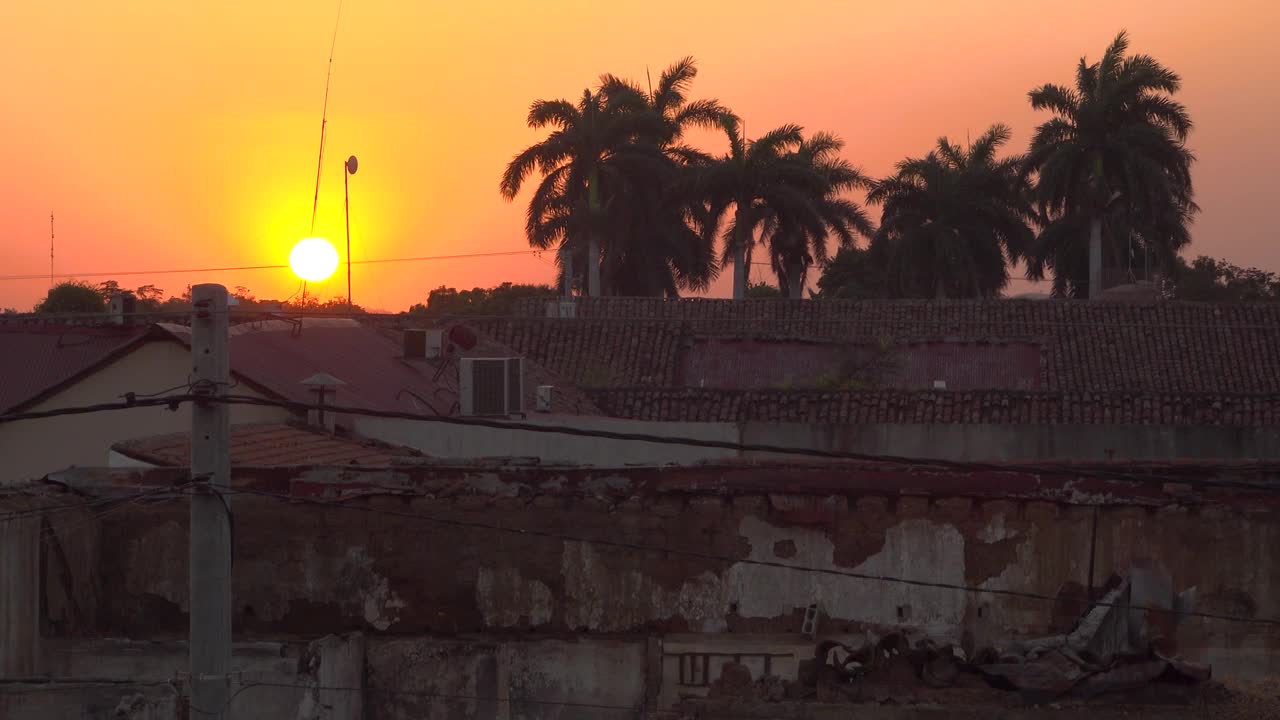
(313, 259)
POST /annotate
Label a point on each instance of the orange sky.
(168, 134)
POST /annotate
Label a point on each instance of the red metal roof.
(38, 359)
(269, 445)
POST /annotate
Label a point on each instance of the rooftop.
(38, 359)
(269, 445)
(913, 361)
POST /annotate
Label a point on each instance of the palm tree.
(589, 150)
(655, 247)
(953, 220)
(1112, 163)
(761, 179)
(797, 241)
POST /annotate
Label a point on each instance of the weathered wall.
(987, 442)
(147, 678)
(1011, 442)
(463, 442)
(370, 564)
(34, 448)
(425, 678)
(19, 604)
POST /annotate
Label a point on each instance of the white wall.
(34, 448)
(443, 440)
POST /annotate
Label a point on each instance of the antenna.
(649, 79)
(324, 118)
(50, 249)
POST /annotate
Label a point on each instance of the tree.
(1208, 280)
(1111, 165)
(760, 180)
(953, 220)
(655, 245)
(796, 241)
(72, 296)
(499, 300)
(585, 161)
(763, 291)
(853, 274)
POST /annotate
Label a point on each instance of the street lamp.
(351, 166)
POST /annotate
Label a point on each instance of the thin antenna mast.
(324, 119)
(50, 249)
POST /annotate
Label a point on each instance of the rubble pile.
(1110, 652)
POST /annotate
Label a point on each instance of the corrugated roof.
(38, 359)
(269, 445)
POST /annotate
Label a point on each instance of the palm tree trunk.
(593, 240)
(1095, 257)
(739, 254)
(566, 267)
(795, 280)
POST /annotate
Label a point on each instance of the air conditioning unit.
(420, 344)
(491, 386)
(563, 309)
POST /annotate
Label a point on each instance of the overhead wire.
(231, 268)
(703, 555)
(1140, 476)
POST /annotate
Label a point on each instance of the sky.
(172, 135)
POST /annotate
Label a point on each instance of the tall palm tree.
(656, 247)
(953, 220)
(1112, 163)
(760, 179)
(589, 150)
(797, 242)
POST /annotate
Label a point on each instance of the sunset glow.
(139, 122)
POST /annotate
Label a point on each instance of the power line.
(701, 555)
(230, 268)
(1138, 477)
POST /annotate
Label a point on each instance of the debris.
(734, 681)
(1120, 678)
(771, 688)
(1041, 681)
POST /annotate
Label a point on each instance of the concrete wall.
(978, 442)
(302, 567)
(424, 678)
(462, 442)
(994, 443)
(34, 448)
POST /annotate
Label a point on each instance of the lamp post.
(351, 166)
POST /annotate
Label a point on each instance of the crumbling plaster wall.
(303, 567)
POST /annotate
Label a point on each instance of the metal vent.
(491, 386)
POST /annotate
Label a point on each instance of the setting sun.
(313, 259)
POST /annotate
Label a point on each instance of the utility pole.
(210, 543)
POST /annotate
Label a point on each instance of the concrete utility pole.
(210, 636)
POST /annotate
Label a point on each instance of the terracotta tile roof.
(1167, 347)
(904, 406)
(269, 445)
(36, 359)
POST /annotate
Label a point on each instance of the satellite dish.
(352, 164)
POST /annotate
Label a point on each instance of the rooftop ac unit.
(422, 344)
(491, 386)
